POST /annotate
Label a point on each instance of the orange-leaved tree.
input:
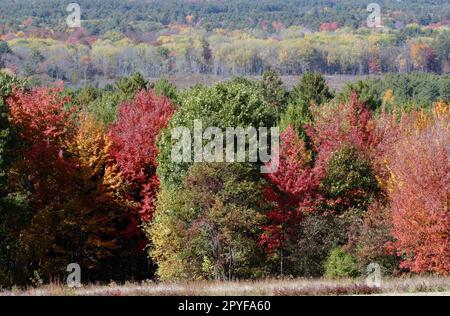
(109, 246)
(419, 190)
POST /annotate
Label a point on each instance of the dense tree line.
(116, 15)
(184, 51)
(87, 176)
(224, 38)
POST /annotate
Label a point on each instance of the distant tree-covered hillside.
(121, 15)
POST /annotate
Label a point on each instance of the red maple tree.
(45, 128)
(419, 193)
(295, 188)
(134, 148)
(348, 123)
(292, 190)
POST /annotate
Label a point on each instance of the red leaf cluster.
(347, 124)
(419, 195)
(292, 189)
(45, 127)
(134, 148)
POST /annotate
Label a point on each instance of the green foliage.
(103, 104)
(297, 117)
(164, 87)
(442, 45)
(167, 240)
(14, 210)
(318, 234)
(163, 52)
(340, 264)
(130, 85)
(365, 91)
(4, 48)
(351, 179)
(6, 85)
(15, 214)
(7, 137)
(272, 89)
(236, 103)
(36, 57)
(216, 221)
(207, 56)
(105, 107)
(411, 91)
(102, 17)
(444, 88)
(311, 89)
(31, 66)
(87, 95)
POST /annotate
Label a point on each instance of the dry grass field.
(432, 285)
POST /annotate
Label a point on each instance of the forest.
(87, 116)
(142, 15)
(169, 38)
(87, 177)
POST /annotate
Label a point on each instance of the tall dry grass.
(274, 287)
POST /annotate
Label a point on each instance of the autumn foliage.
(328, 179)
(347, 123)
(134, 139)
(292, 190)
(82, 180)
(419, 190)
(45, 129)
(353, 186)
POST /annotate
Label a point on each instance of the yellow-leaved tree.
(112, 233)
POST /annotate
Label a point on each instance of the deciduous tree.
(419, 193)
(134, 137)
